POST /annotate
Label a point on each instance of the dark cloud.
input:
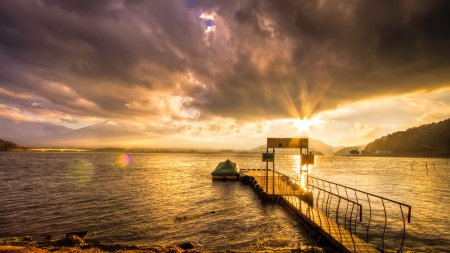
(354, 50)
(84, 7)
(264, 60)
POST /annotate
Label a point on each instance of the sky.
(223, 73)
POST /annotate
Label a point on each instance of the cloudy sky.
(224, 72)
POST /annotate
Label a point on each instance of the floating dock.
(275, 185)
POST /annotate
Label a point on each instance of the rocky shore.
(75, 244)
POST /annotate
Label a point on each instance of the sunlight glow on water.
(160, 198)
(290, 165)
(146, 202)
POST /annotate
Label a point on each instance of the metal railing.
(382, 217)
(337, 208)
(318, 209)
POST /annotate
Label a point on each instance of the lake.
(171, 199)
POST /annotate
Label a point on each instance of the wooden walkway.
(340, 237)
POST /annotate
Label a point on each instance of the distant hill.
(426, 140)
(106, 133)
(257, 149)
(111, 150)
(110, 134)
(319, 148)
(7, 145)
(346, 150)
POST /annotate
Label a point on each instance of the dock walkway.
(340, 237)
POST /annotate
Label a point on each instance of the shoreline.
(75, 244)
(55, 150)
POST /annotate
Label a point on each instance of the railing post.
(370, 217)
(404, 229)
(385, 225)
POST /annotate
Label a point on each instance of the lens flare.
(123, 160)
(80, 172)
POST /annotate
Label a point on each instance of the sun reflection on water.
(299, 171)
(305, 171)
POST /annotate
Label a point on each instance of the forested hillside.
(7, 145)
(426, 140)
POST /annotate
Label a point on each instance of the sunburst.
(303, 125)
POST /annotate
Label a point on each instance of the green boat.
(226, 170)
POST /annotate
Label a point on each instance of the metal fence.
(376, 220)
(381, 221)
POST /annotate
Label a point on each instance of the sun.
(303, 125)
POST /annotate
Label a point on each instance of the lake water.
(171, 199)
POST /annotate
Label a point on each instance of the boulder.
(186, 245)
(245, 179)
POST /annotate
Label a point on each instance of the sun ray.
(303, 125)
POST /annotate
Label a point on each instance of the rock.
(76, 240)
(186, 245)
(71, 240)
(80, 234)
(180, 218)
(263, 195)
(245, 179)
(46, 236)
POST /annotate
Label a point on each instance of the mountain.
(319, 147)
(426, 140)
(7, 145)
(110, 134)
(346, 150)
(106, 133)
(258, 149)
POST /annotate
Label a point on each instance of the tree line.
(426, 140)
(7, 145)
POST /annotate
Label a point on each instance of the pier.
(349, 219)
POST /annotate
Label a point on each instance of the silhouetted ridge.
(426, 140)
(7, 145)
